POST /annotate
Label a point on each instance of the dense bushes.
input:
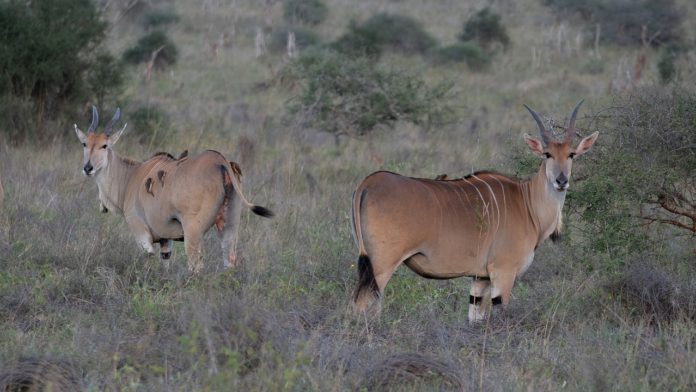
(347, 95)
(385, 31)
(309, 12)
(477, 43)
(485, 28)
(149, 122)
(46, 51)
(148, 45)
(622, 21)
(640, 173)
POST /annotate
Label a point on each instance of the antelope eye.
(104, 147)
(547, 155)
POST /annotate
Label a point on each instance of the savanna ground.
(81, 304)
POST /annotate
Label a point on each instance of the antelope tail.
(230, 179)
(366, 290)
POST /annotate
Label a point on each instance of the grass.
(81, 302)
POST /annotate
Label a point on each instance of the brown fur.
(197, 197)
(482, 225)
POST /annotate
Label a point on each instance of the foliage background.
(610, 307)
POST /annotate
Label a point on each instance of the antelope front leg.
(142, 234)
(165, 251)
(479, 294)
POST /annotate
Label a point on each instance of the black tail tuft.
(366, 278)
(555, 236)
(262, 211)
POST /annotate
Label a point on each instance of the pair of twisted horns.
(570, 128)
(109, 127)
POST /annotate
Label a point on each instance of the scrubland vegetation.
(420, 88)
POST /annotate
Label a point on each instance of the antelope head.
(558, 156)
(96, 146)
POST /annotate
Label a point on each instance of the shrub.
(651, 290)
(303, 39)
(105, 77)
(149, 122)
(154, 19)
(147, 45)
(468, 52)
(347, 95)
(309, 12)
(666, 66)
(485, 28)
(46, 51)
(358, 41)
(622, 21)
(640, 172)
(385, 31)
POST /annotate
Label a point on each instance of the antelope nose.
(562, 181)
(88, 168)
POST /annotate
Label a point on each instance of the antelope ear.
(535, 145)
(113, 138)
(80, 135)
(586, 143)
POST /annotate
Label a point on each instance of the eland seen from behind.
(486, 225)
(165, 198)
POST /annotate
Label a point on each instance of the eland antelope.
(165, 198)
(485, 225)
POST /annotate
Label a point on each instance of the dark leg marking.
(555, 236)
(497, 301)
(473, 300)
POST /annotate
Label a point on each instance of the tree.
(350, 95)
(47, 48)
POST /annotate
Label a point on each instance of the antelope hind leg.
(192, 243)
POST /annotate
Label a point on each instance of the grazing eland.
(165, 198)
(485, 225)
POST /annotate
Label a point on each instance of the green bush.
(470, 53)
(147, 45)
(385, 31)
(643, 163)
(622, 21)
(309, 12)
(304, 38)
(155, 19)
(348, 95)
(106, 76)
(358, 41)
(485, 28)
(666, 66)
(149, 122)
(47, 50)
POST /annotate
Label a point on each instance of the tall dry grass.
(81, 305)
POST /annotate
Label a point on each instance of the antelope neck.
(544, 203)
(113, 181)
